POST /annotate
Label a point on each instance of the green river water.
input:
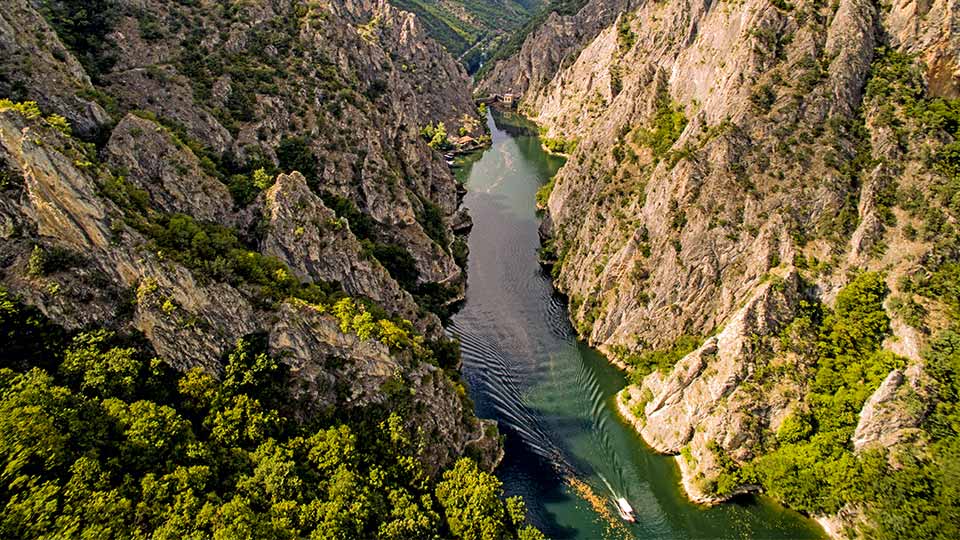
(552, 395)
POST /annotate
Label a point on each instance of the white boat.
(625, 510)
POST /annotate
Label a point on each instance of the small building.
(507, 99)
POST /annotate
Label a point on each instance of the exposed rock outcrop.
(718, 393)
(170, 229)
(894, 412)
(718, 146)
(319, 246)
(171, 174)
(37, 66)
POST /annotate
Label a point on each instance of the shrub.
(543, 193)
(295, 154)
(49, 260)
(668, 123)
(158, 451)
(398, 262)
(431, 219)
(643, 363)
(625, 36)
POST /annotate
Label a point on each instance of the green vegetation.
(104, 440)
(47, 260)
(213, 252)
(669, 121)
(81, 25)
(461, 24)
(30, 111)
(543, 193)
(472, 501)
(896, 87)
(401, 265)
(244, 180)
(663, 360)
(512, 45)
(811, 467)
(430, 217)
(252, 69)
(625, 36)
(557, 145)
(436, 137)
(294, 154)
(396, 259)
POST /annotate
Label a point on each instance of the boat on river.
(625, 510)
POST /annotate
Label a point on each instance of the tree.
(295, 154)
(98, 370)
(471, 501)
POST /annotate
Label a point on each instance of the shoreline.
(830, 525)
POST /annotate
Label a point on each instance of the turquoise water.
(552, 395)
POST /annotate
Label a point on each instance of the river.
(551, 394)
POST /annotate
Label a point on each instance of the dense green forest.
(100, 439)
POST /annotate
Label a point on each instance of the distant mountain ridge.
(467, 26)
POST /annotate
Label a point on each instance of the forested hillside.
(470, 29)
(226, 251)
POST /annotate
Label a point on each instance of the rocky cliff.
(197, 172)
(733, 165)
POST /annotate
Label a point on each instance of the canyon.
(234, 249)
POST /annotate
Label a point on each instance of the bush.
(437, 298)
(543, 193)
(213, 252)
(362, 225)
(646, 362)
(398, 262)
(436, 137)
(813, 470)
(668, 123)
(431, 219)
(460, 251)
(625, 36)
(44, 261)
(82, 25)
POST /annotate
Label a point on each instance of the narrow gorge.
(493, 269)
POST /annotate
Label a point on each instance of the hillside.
(226, 251)
(468, 29)
(758, 221)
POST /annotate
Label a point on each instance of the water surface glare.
(552, 395)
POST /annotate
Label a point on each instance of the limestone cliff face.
(37, 59)
(240, 123)
(551, 45)
(319, 246)
(719, 146)
(356, 81)
(172, 176)
(718, 211)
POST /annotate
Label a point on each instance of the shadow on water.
(568, 453)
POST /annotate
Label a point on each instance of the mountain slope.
(225, 245)
(467, 29)
(775, 178)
